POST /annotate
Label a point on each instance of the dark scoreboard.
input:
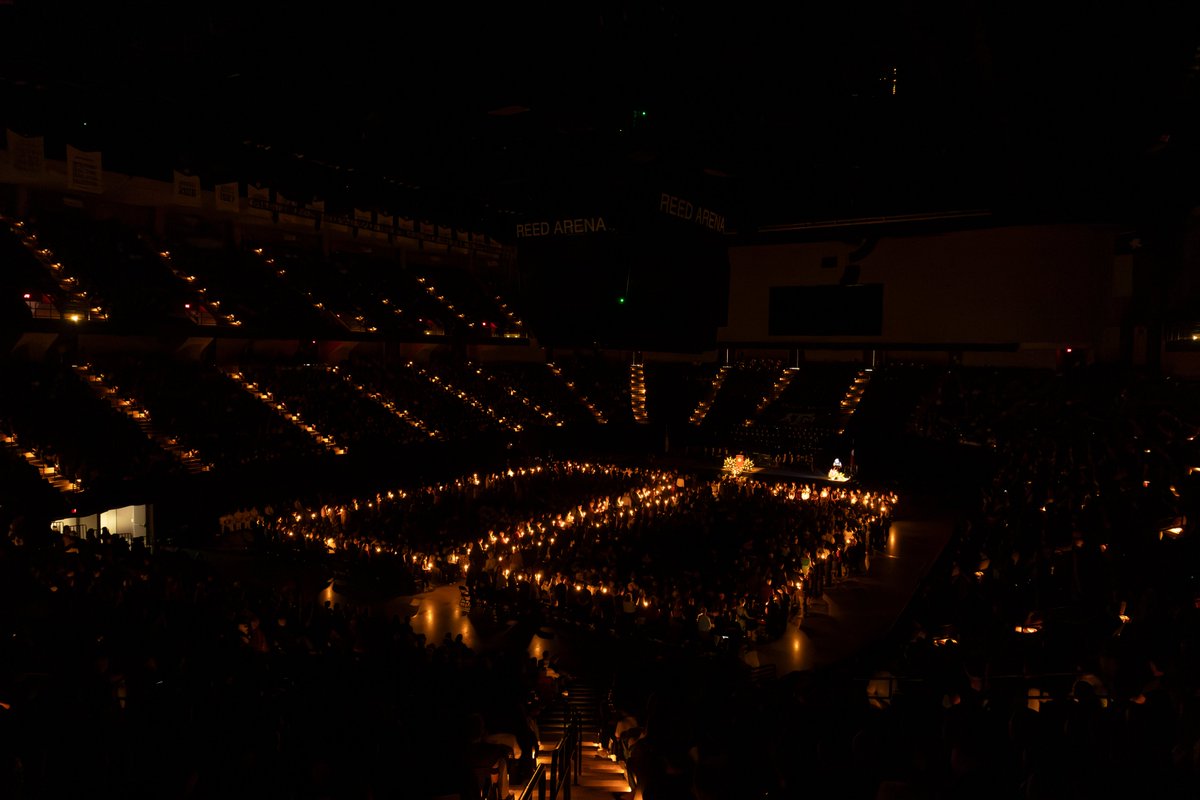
(826, 310)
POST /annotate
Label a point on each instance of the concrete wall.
(1040, 287)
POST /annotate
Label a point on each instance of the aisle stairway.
(637, 393)
(47, 472)
(777, 389)
(600, 778)
(102, 387)
(706, 404)
(571, 385)
(853, 397)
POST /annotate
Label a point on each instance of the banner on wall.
(84, 171)
(385, 224)
(225, 196)
(258, 199)
(186, 189)
(371, 225)
(338, 223)
(291, 213)
(26, 153)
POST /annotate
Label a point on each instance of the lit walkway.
(860, 609)
(852, 614)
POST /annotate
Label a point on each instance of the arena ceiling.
(485, 115)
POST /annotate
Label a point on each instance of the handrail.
(566, 762)
(568, 754)
(565, 768)
(536, 781)
(577, 747)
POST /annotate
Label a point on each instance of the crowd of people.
(151, 675)
(1050, 653)
(131, 674)
(618, 549)
(49, 410)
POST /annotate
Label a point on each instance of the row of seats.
(235, 416)
(111, 270)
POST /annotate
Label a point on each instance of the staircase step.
(614, 785)
(588, 793)
(591, 765)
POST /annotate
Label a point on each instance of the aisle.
(600, 778)
(861, 609)
(852, 614)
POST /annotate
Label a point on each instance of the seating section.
(212, 413)
(674, 389)
(536, 381)
(27, 286)
(54, 414)
(745, 385)
(327, 286)
(512, 398)
(891, 398)
(1042, 647)
(74, 267)
(814, 392)
(466, 299)
(804, 417)
(967, 404)
(238, 415)
(239, 289)
(116, 267)
(337, 407)
(372, 293)
(605, 384)
(1049, 650)
(412, 388)
(23, 479)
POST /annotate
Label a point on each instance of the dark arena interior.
(599, 400)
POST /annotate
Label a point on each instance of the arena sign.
(686, 210)
(562, 227)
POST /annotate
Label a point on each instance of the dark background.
(483, 117)
(826, 310)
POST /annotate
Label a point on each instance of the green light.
(621, 300)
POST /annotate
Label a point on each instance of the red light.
(1068, 349)
(28, 295)
(187, 305)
